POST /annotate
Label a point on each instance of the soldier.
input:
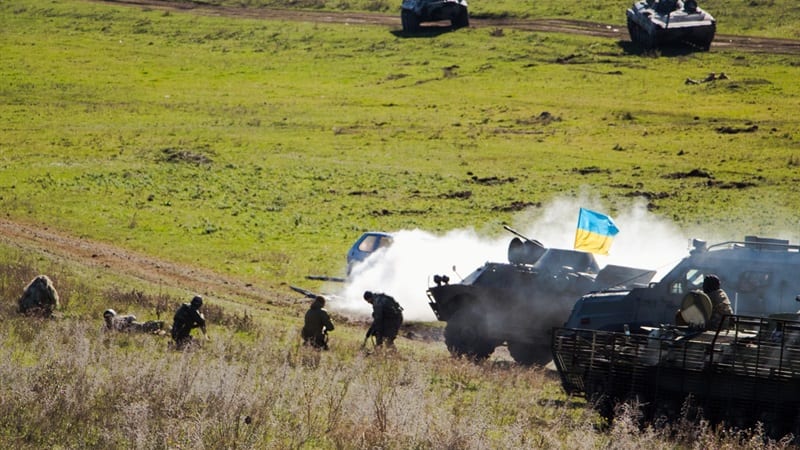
(720, 304)
(116, 322)
(387, 316)
(188, 316)
(39, 298)
(317, 324)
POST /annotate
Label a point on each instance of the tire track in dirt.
(619, 32)
(99, 255)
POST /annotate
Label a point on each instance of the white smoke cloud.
(406, 269)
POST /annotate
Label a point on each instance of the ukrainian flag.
(595, 232)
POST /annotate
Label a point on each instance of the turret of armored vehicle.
(519, 302)
(653, 23)
(760, 275)
(414, 12)
(745, 372)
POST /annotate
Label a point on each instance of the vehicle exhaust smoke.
(406, 269)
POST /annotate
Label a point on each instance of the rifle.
(370, 333)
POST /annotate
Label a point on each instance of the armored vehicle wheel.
(409, 20)
(461, 19)
(465, 335)
(527, 354)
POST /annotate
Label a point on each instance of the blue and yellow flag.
(595, 232)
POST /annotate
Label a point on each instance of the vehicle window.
(385, 242)
(752, 281)
(368, 243)
(693, 279)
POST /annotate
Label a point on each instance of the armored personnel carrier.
(760, 276)
(740, 374)
(519, 302)
(414, 12)
(653, 23)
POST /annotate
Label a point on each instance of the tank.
(414, 12)
(519, 302)
(760, 276)
(654, 23)
(739, 375)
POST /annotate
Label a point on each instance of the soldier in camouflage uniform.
(117, 322)
(721, 305)
(187, 317)
(387, 316)
(39, 298)
(317, 324)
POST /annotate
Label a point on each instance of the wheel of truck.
(465, 335)
(526, 353)
(409, 20)
(461, 19)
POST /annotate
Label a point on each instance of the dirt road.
(721, 41)
(93, 254)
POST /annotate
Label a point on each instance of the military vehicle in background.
(760, 275)
(414, 12)
(741, 374)
(654, 23)
(519, 302)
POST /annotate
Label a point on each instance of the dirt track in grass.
(721, 41)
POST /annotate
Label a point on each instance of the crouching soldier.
(317, 324)
(39, 298)
(117, 322)
(387, 316)
(187, 317)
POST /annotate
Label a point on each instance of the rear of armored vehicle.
(760, 276)
(740, 375)
(665, 22)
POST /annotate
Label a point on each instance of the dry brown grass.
(65, 383)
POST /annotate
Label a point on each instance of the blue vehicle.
(366, 245)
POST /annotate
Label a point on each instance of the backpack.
(392, 310)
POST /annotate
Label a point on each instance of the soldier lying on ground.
(117, 322)
(39, 298)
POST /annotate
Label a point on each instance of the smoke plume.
(405, 270)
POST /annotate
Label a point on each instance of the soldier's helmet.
(368, 295)
(109, 313)
(197, 302)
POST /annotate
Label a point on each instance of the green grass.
(262, 149)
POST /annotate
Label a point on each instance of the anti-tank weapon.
(305, 292)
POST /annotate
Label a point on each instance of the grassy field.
(262, 149)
